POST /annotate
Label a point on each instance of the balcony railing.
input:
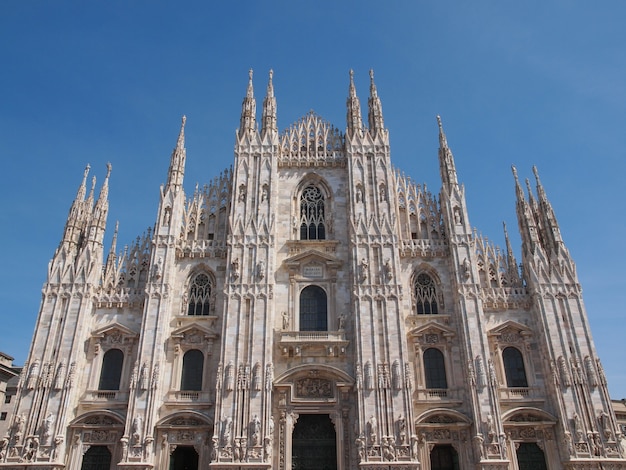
(518, 393)
(433, 394)
(106, 396)
(315, 343)
(187, 396)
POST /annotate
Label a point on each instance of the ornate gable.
(193, 336)
(113, 336)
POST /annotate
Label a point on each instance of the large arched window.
(111, 371)
(434, 369)
(514, 367)
(313, 309)
(200, 295)
(312, 214)
(425, 295)
(193, 365)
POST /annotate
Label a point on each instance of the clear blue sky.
(525, 83)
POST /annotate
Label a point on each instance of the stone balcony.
(313, 343)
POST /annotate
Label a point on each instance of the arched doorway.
(530, 457)
(97, 458)
(184, 458)
(444, 457)
(314, 443)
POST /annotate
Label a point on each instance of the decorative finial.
(184, 120)
(250, 74)
(351, 74)
(514, 170)
(536, 173)
(372, 75)
(271, 74)
(109, 168)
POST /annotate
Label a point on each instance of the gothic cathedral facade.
(312, 308)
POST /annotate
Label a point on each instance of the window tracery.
(199, 300)
(426, 295)
(312, 214)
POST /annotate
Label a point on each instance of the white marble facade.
(312, 297)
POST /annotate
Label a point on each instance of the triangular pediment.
(511, 330)
(114, 335)
(114, 330)
(193, 333)
(312, 255)
(432, 328)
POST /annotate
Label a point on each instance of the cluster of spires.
(538, 225)
(86, 221)
(248, 123)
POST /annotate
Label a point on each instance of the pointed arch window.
(514, 367)
(313, 309)
(193, 366)
(426, 295)
(312, 214)
(435, 369)
(200, 291)
(111, 372)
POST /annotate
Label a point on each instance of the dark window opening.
(313, 309)
(111, 372)
(514, 368)
(435, 369)
(193, 365)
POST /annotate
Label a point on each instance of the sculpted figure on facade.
(46, 428)
(372, 430)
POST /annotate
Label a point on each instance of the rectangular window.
(7, 398)
(3, 416)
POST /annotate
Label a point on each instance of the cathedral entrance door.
(96, 458)
(444, 457)
(530, 457)
(314, 443)
(184, 458)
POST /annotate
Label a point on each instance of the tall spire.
(176, 171)
(99, 212)
(111, 257)
(76, 217)
(513, 272)
(375, 114)
(551, 226)
(525, 218)
(82, 189)
(103, 198)
(248, 109)
(354, 118)
(269, 108)
(447, 167)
